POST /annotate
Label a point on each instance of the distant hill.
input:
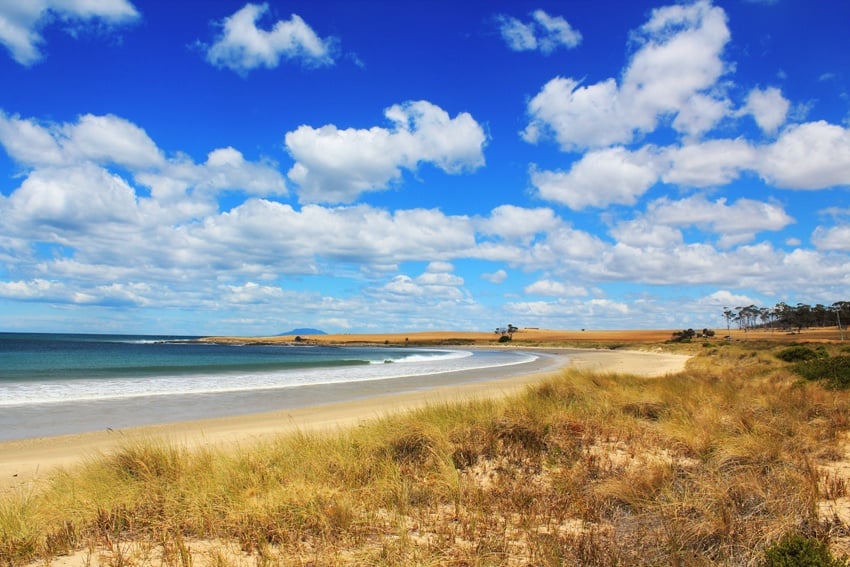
(302, 332)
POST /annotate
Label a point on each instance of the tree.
(729, 315)
(506, 332)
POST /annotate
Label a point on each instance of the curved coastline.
(25, 461)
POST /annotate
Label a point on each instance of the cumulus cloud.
(431, 285)
(336, 166)
(710, 163)
(301, 241)
(553, 288)
(598, 311)
(92, 172)
(737, 222)
(644, 232)
(832, 238)
(518, 223)
(242, 46)
(100, 139)
(768, 108)
(725, 298)
(74, 198)
(544, 33)
(674, 72)
(224, 169)
(598, 179)
(814, 155)
(21, 21)
(36, 289)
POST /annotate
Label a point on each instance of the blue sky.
(225, 167)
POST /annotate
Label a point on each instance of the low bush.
(835, 371)
(800, 354)
(798, 551)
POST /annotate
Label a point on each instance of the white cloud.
(111, 295)
(336, 166)
(737, 222)
(518, 223)
(578, 116)
(833, 238)
(429, 286)
(569, 313)
(814, 155)
(225, 169)
(768, 107)
(79, 199)
(710, 163)
(21, 21)
(598, 179)
(644, 232)
(725, 298)
(673, 73)
(73, 189)
(440, 267)
(699, 113)
(251, 293)
(105, 141)
(243, 46)
(110, 139)
(554, 289)
(31, 290)
(439, 279)
(101, 139)
(497, 277)
(304, 241)
(544, 32)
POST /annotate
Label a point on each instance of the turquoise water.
(66, 383)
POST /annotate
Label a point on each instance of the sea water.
(54, 384)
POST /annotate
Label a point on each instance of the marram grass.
(708, 467)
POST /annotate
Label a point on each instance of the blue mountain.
(303, 331)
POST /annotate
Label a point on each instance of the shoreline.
(26, 462)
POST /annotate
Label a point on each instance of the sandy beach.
(28, 461)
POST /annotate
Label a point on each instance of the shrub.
(799, 551)
(835, 371)
(683, 336)
(798, 354)
(504, 339)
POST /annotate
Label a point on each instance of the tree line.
(788, 317)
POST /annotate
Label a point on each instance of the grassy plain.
(708, 466)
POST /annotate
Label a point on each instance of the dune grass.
(708, 467)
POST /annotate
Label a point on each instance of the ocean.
(54, 384)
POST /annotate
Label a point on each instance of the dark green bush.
(799, 354)
(799, 551)
(834, 371)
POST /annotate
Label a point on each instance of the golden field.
(543, 337)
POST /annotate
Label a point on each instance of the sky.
(216, 167)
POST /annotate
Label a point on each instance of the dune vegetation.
(738, 460)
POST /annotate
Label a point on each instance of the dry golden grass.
(706, 467)
(525, 337)
(522, 337)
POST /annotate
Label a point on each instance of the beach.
(27, 461)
